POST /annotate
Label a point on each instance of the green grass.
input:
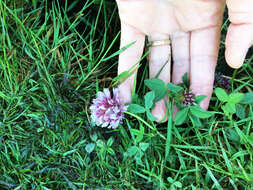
(53, 59)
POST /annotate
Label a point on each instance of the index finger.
(129, 57)
(240, 32)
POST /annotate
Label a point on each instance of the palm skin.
(169, 16)
(194, 29)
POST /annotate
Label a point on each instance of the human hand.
(194, 29)
(240, 32)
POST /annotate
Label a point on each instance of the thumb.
(238, 41)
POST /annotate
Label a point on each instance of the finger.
(181, 58)
(240, 32)
(204, 52)
(181, 55)
(238, 41)
(160, 58)
(129, 57)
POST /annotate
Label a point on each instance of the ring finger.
(181, 55)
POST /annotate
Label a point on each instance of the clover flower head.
(221, 81)
(188, 98)
(107, 111)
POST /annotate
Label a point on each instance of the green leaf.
(210, 174)
(138, 133)
(169, 133)
(235, 97)
(248, 98)
(110, 141)
(40, 129)
(149, 98)
(135, 98)
(90, 147)
(135, 108)
(69, 152)
(25, 170)
(158, 86)
(233, 136)
(70, 184)
(158, 74)
(221, 94)
(170, 180)
(131, 151)
(186, 80)
(178, 184)
(119, 51)
(144, 146)
(240, 111)
(199, 112)
(229, 107)
(111, 151)
(174, 88)
(138, 158)
(139, 136)
(100, 143)
(94, 137)
(181, 116)
(122, 76)
(251, 137)
(195, 120)
(199, 99)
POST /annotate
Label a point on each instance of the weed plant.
(54, 57)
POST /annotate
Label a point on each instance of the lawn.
(55, 57)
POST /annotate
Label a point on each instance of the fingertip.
(235, 61)
(205, 104)
(159, 112)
